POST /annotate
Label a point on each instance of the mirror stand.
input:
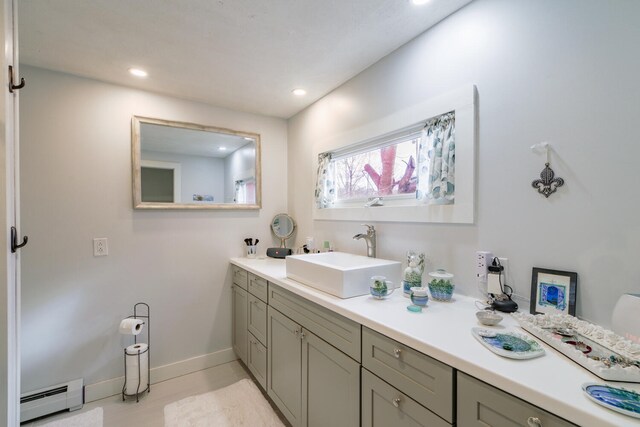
(283, 227)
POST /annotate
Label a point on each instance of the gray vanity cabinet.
(330, 385)
(239, 309)
(427, 380)
(384, 405)
(284, 366)
(312, 383)
(480, 404)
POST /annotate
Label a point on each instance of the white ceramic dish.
(488, 318)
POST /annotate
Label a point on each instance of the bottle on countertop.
(413, 273)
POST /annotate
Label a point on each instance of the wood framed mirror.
(180, 165)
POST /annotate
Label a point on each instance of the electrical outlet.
(483, 260)
(100, 246)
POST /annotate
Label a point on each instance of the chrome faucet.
(370, 238)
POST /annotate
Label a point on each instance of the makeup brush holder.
(252, 251)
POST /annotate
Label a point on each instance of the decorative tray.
(617, 399)
(602, 352)
(508, 344)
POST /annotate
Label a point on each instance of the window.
(245, 191)
(383, 171)
(420, 161)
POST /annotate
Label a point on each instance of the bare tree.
(350, 173)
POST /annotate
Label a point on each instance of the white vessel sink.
(341, 274)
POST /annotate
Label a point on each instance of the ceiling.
(245, 55)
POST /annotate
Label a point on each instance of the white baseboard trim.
(113, 386)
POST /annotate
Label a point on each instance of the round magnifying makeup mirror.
(283, 227)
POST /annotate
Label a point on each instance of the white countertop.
(443, 331)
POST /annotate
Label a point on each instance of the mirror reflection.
(189, 166)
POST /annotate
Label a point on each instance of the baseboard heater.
(52, 399)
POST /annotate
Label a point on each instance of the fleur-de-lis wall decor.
(548, 183)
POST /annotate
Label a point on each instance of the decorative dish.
(508, 344)
(617, 399)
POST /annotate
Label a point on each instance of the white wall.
(76, 185)
(564, 71)
(198, 174)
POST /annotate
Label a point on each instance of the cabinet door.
(330, 385)
(383, 405)
(257, 319)
(257, 360)
(240, 301)
(480, 404)
(284, 366)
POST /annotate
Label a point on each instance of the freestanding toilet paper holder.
(147, 321)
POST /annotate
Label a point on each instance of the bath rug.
(92, 418)
(240, 404)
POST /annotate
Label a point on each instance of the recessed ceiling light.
(299, 92)
(138, 72)
(222, 148)
(419, 2)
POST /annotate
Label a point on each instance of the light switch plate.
(100, 246)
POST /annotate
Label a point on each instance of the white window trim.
(177, 175)
(464, 102)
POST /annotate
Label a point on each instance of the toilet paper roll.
(131, 326)
(137, 368)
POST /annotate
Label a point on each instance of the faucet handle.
(370, 228)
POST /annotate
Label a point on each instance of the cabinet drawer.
(257, 319)
(258, 287)
(480, 404)
(257, 360)
(383, 405)
(239, 276)
(340, 332)
(425, 379)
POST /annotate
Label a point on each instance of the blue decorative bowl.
(419, 300)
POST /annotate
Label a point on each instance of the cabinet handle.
(302, 335)
(534, 422)
(396, 402)
(297, 331)
(396, 352)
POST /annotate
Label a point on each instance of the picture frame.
(553, 291)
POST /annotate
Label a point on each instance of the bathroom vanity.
(326, 361)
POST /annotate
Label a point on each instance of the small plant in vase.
(379, 288)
